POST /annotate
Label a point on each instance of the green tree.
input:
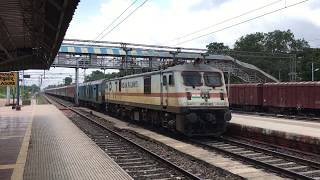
(250, 42)
(271, 42)
(283, 42)
(305, 60)
(29, 91)
(97, 75)
(67, 81)
(34, 89)
(2, 91)
(216, 47)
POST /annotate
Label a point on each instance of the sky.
(166, 22)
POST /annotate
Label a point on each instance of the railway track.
(291, 166)
(137, 161)
(284, 164)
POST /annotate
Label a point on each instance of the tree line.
(273, 52)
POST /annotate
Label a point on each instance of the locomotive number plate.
(206, 104)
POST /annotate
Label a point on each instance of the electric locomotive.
(189, 98)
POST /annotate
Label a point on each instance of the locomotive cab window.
(164, 80)
(171, 80)
(191, 78)
(212, 79)
(147, 85)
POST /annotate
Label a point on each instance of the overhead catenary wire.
(224, 21)
(116, 19)
(242, 22)
(144, 2)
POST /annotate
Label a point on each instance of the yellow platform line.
(8, 166)
(8, 137)
(22, 157)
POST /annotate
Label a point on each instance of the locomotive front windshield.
(212, 79)
(191, 78)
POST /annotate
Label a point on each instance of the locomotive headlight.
(222, 96)
(189, 95)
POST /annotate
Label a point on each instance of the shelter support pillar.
(18, 108)
(312, 72)
(8, 95)
(76, 96)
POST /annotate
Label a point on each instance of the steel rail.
(260, 163)
(274, 153)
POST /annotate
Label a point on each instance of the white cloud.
(161, 20)
(155, 24)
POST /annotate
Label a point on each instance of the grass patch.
(40, 99)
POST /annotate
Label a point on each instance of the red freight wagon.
(70, 91)
(292, 95)
(245, 95)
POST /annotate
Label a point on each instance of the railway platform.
(298, 134)
(39, 142)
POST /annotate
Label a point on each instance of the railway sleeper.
(157, 175)
(245, 152)
(253, 154)
(115, 146)
(225, 146)
(263, 157)
(142, 166)
(128, 164)
(132, 159)
(130, 156)
(116, 149)
(317, 171)
(284, 164)
(119, 153)
(236, 149)
(149, 170)
(273, 161)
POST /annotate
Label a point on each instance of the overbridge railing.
(116, 55)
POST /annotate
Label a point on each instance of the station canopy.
(31, 32)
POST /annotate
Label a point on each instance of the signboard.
(8, 79)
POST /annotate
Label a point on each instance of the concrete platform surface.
(15, 128)
(300, 127)
(39, 142)
(2, 102)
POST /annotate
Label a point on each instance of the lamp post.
(313, 70)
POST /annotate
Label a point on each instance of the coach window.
(119, 85)
(147, 85)
(164, 80)
(171, 80)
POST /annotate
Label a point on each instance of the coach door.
(165, 90)
(97, 92)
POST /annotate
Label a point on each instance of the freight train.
(286, 97)
(190, 98)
